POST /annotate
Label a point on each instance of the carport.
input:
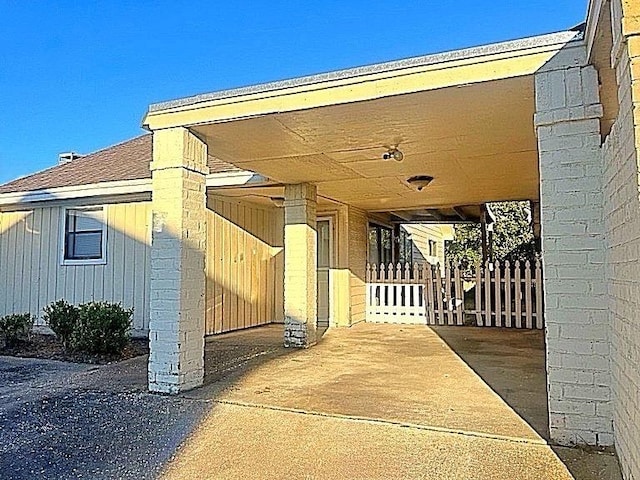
(379, 401)
(512, 121)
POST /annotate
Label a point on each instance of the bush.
(16, 327)
(62, 318)
(102, 328)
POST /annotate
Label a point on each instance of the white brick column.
(571, 201)
(176, 327)
(300, 266)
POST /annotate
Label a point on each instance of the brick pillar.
(300, 266)
(176, 327)
(571, 202)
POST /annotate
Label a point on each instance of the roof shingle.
(128, 160)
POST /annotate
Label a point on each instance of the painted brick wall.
(176, 326)
(300, 266)
(578, 345)
(622, 225)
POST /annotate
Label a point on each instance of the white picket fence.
(504, 295)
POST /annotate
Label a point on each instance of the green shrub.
(15, 327)
(102, 328)
(62, 318)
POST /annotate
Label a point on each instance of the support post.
(575, 308)
(176, 327)
(300, 266)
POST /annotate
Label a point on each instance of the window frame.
(64, 261)
(379, 228)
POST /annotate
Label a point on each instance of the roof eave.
(358, 73)
(121, 188)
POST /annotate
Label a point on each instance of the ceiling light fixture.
(393, 154)
(419, 181)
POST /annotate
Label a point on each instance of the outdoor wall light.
(393, 154)
(419, 181)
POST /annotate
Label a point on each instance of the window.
(380, 244)
(405, 247)
(433, 248)
(84, 236)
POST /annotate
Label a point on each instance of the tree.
(512, 237)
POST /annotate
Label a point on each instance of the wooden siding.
(245, 265)
(32, 276)
(358, 223)
(421, 233)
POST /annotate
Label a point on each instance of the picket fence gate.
(497, 295)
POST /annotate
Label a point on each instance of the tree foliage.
(512, 237)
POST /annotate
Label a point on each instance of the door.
(324, 264)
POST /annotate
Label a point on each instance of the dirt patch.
(47, 347)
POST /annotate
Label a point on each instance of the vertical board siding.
(357, 254)
(32, 276)
(421, 233)
(245, 265)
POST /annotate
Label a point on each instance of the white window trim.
(63, 237)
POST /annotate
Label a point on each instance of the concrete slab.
(401, 374)
(373, 401)
(382, 401)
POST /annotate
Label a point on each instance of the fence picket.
(487, 295)
(527, 294)
(498, 294)
(431, 305)
(538, 291)
(368, 297)
(479, 321)
(459, 296)
(439, 300)
(447, 290)
(405, 293)
(507, 293)
(518, 292)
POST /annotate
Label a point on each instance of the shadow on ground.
(512, 364)
(373, 401)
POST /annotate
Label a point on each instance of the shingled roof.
(128, 160)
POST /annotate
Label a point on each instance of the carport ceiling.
(477, 142)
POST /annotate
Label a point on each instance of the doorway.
(325, 255)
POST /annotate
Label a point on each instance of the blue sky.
(80, 75)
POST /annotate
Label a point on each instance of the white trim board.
(124, 187)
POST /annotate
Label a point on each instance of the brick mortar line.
(466, 433)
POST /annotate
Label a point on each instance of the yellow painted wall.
(621, 151)
(357, 241)
(31, 274)
(244, 266)
(420, 236)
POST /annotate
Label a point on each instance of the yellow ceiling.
(477, 141)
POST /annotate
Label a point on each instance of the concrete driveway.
(370, 402)
(381, 402)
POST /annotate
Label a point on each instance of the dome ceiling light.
(419, 181)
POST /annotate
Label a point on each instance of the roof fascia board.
(120, 188)
(234, 179)
(123, 187)
(593, 18)
(503, 60)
